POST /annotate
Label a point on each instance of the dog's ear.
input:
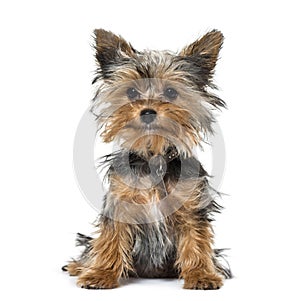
(110, 50)
(203, 53)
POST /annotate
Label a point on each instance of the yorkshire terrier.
(157, 213)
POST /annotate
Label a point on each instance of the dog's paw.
(96, 280)
(203, 282)
(74, 268)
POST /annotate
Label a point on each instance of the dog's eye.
(170, 93)
(132, 93)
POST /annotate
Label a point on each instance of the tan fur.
(209, 45)
(195, 252)
(105, 39)
(177, 122)
(74, 268)
(172, 211)
(110, 258)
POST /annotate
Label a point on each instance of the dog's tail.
(221, 263)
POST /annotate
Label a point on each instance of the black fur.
(154, 250)
(146, 261)
(125, 162)
(222, 268)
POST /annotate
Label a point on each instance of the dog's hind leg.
(75, 267)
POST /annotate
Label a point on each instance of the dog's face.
(152, 100)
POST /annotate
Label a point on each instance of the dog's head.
(152, 100)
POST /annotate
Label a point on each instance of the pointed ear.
(110, 50)
(204, 53)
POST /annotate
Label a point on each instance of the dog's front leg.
(195, 254)
(109, 258)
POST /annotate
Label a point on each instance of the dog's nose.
(148, 115)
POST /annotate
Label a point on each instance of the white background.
(46, 66)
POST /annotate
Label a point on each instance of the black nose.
(148, 115)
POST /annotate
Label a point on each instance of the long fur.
(154, 250)
(156, 216)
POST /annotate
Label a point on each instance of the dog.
(156, 216)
